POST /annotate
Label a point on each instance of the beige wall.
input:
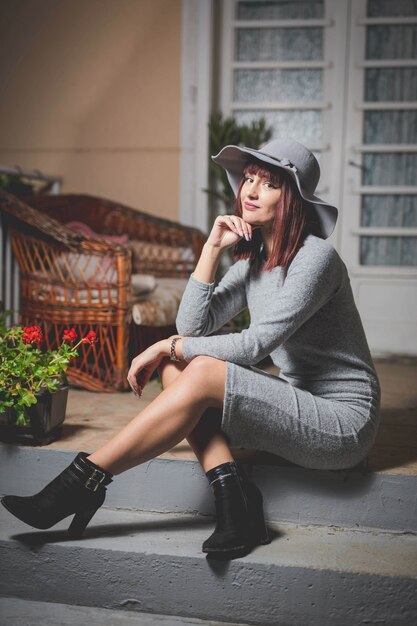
(90, 90)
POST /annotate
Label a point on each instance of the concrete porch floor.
(93, 418)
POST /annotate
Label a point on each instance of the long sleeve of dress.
(313, 278)
(204, 308)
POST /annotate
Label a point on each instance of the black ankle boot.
(79, 489)
(239, 511)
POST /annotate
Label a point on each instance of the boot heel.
(260, 530)
(263, 533)
(80, 522)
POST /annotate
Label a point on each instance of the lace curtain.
(260, 85)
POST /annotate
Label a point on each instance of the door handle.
(358, 165)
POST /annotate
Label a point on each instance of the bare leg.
(206, 439)
(169, 418)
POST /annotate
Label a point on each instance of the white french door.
(379, 231)
(341, 77)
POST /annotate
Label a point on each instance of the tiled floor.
(92, 418)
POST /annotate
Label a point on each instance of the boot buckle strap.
(94, 481)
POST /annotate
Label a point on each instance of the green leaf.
(21, 417)
(27, 398)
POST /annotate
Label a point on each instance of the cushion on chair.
(84, 229)
(86, 268)
(158, 254)
(160, 307)
(142, 283)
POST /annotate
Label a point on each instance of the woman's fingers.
(136, 376)
(132, 380)
(238, 226)
(139, 375)
(243, 228)
(227, 225)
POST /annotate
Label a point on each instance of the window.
(388, 208)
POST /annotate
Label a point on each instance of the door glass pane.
(391, 42)
(389, 169)
(389, 211)
(278, 44)
(388, 251)
(303, 126)
(279, 9)
(390, 84)
(391, 8)
(390, 127)
(277, 85)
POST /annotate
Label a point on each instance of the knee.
(205, 375)
(202, 365)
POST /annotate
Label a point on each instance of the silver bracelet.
(173, 355)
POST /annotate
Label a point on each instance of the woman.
(323, 409)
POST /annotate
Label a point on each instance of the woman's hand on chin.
(227, 230)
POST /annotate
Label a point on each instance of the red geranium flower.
(69, 335)
(32, 334)
(91, 337)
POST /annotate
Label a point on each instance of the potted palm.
(33, 384)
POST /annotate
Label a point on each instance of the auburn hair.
(290, 226)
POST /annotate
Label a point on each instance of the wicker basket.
(69, 279)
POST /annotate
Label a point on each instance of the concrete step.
(152, 562)
(347, 498)
(18, 612)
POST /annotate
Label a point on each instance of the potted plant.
(33, 384)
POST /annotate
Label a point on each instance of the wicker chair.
(70, 279)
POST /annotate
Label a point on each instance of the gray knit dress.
(323, 410)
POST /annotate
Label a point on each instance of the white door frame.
(196, 90)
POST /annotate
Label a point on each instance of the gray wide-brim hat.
(295, 159)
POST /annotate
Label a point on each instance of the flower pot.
(46, 418)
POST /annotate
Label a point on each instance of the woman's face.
(259, 198)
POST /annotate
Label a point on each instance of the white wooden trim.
(387, 63)
(387, 21)
(379, 190)
(283, 65)
(313, 23)
(196, 63)
(386, 106)
(227, 57)
(390, 231)
(279, 106)
(334, 91)
(386, 147)
(381, 271)
(351, 176)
